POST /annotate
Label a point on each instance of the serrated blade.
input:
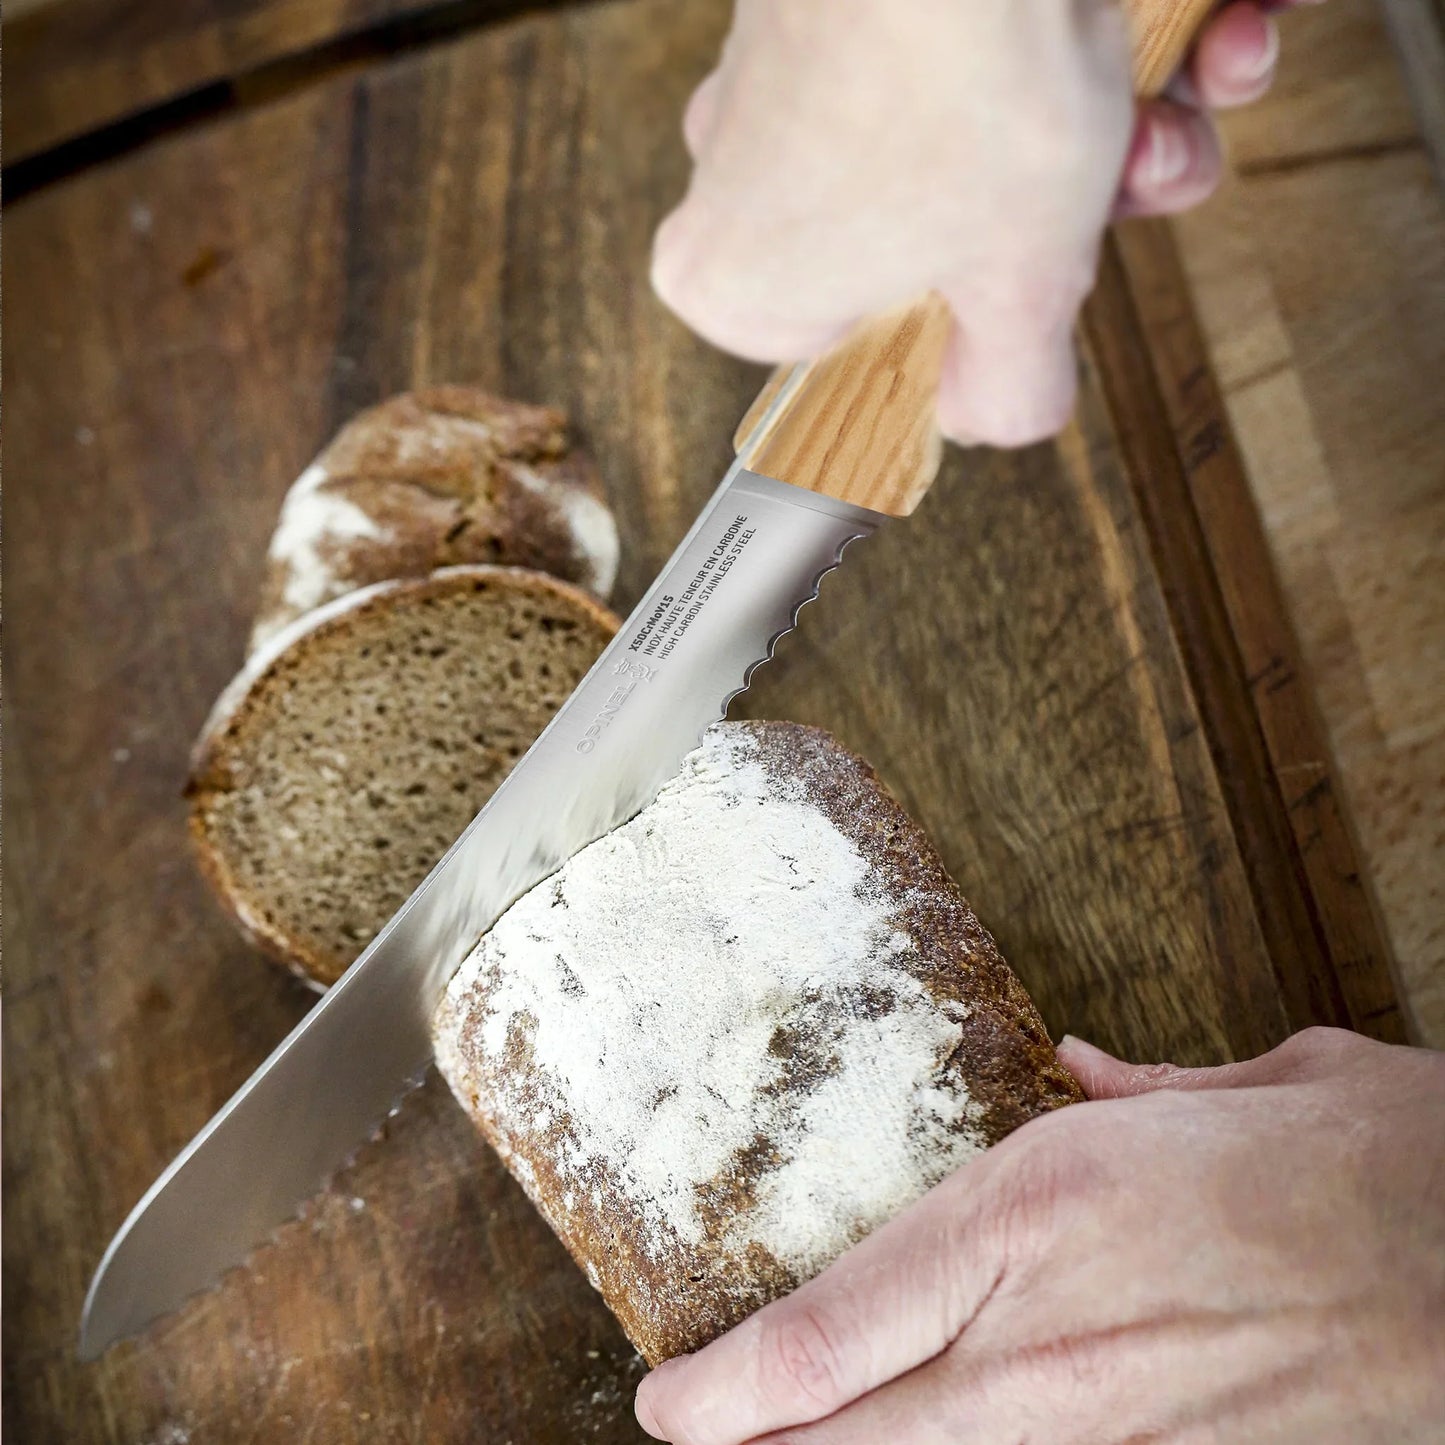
(732, 588)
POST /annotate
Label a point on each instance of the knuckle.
(1150, 1078)
(692, 270)
(1046, 1175)
(672, 263)
(1319, 1038)
(708, 278)
(697, 117)
(805, 1357)
(1054, 1168)
(1307, 1050)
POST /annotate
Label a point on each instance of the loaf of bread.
(357, 744)
(441, 477)
(729, 1039)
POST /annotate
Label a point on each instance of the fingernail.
(1263, 61)
(1170, 155)
(643, 1410)
(1073, 1043)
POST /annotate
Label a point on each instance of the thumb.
(1102, 1076)
(884, 1307)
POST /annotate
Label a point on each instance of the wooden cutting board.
(1072, 664)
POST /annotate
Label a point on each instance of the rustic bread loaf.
(732, 1037)
(435, 478)
(355, 747)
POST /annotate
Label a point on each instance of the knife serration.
(731, 590)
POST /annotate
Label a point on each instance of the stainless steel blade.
(732, 588)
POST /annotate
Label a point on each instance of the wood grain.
(1162, 31)
(858, 424)
(1329, 354)
(186, 325)
(74, 67)
(1268, 737)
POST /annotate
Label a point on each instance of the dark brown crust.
(210, 771)
(444, 496)
(1011, 1066)
(674, 1298)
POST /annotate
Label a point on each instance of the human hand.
(1254, 1252)
(848, 159)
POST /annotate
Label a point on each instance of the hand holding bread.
(1246, 1253)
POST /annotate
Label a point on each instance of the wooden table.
(1072, 664)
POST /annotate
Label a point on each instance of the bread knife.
(830, 450)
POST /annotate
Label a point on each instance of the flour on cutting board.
(722, 974)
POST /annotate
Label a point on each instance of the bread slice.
(441, 477)
(349, 755)
(732, 1037)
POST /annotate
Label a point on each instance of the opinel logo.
(634, 672)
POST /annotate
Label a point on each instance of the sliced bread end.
(355, 747)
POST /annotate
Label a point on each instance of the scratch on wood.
(1317, 793)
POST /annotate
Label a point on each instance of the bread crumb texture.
(335, 776)
(729, 1039)
(446, 476)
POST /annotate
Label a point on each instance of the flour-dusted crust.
(236, 732)
(445, 476)
(732, 1037)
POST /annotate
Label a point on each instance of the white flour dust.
(719, 971)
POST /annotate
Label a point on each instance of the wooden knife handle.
(1160, 32)
(858, 423)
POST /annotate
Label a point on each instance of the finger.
(886, 1306)
(1009, 376)
(1102, 1076)
(698, 117)
(1304, 1055)
(1174, 161)
(1235, 58)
